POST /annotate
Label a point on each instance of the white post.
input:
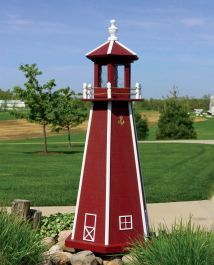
(89, 91)
(138, 90)
(109, 90)
(84, 90)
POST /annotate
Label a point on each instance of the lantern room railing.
(110, 92)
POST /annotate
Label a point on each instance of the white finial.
(112, 30)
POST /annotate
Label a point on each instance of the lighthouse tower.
(111, 208)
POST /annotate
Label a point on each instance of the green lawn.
(5, 116)
(205, 129)
(172, 172)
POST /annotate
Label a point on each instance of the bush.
(175, 122)
(55, 223)
(180, 245)
(141, 126)
(19, 244)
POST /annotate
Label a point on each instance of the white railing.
(88, 91)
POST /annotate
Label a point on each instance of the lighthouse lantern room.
(111, 208)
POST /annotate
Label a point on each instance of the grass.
(205, 129)
(19, 244)
(173, 172)
(6, 116)
(179, 245)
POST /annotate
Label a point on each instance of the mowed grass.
(172, 172)
(205, 129)
(6, 116)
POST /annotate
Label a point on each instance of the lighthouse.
(111, 208)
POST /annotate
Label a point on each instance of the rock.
(84, 258)
(61, 258)
(48, 242)
(127, 259)
(63, 235)
(67, 249)
(61, 244)
(115, 262)
(55, 248)
(105, 262)
(99, 260)
(46, 258)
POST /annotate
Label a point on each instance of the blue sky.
(174, 40)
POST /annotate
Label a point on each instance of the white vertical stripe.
(108, 150)
(82, 172)
(110, 47)
(139, 176)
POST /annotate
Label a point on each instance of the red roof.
(112, 48)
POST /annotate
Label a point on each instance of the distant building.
(211, 107)
(10, 104)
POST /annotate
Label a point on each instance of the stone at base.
(84, 257)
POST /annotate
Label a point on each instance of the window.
(119, 75)
(103, 78)
(89, 227)
(125, 222)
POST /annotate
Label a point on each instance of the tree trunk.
(45, 138)
(69, 136)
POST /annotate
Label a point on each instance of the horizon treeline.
(148, 104)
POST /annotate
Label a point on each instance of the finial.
(112, 30)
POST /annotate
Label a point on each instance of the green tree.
(69, 112)
(175, 121)
(141, 126)
(39, 99)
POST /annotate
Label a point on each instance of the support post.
(21, 208)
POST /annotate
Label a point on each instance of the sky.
(173, 39)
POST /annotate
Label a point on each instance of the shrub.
(180, 245)
(141, 126)
(55, 223)
(175, 122)
(19, 244)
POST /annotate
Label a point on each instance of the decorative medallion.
(121, 120)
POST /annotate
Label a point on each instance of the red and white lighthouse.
(111, 208)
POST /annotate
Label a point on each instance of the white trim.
(110, 47)
(125, 47)
(120, 222)
(97, 48)
(108, 154)
(82, 172)
(139, 176)
(89, 231)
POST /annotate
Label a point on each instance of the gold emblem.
(121, 120)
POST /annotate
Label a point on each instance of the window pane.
(120, 76)
(103, 76)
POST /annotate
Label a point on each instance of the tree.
(69, 112)
(175, 121)
(141, 126)
(39, 99)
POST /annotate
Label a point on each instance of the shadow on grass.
(52, 153)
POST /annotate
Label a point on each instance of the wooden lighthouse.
(111, 208)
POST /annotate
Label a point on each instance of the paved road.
(180, 141)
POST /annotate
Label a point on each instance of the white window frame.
(128, 224)
(89, 231)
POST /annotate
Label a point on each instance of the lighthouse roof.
(112, 47)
